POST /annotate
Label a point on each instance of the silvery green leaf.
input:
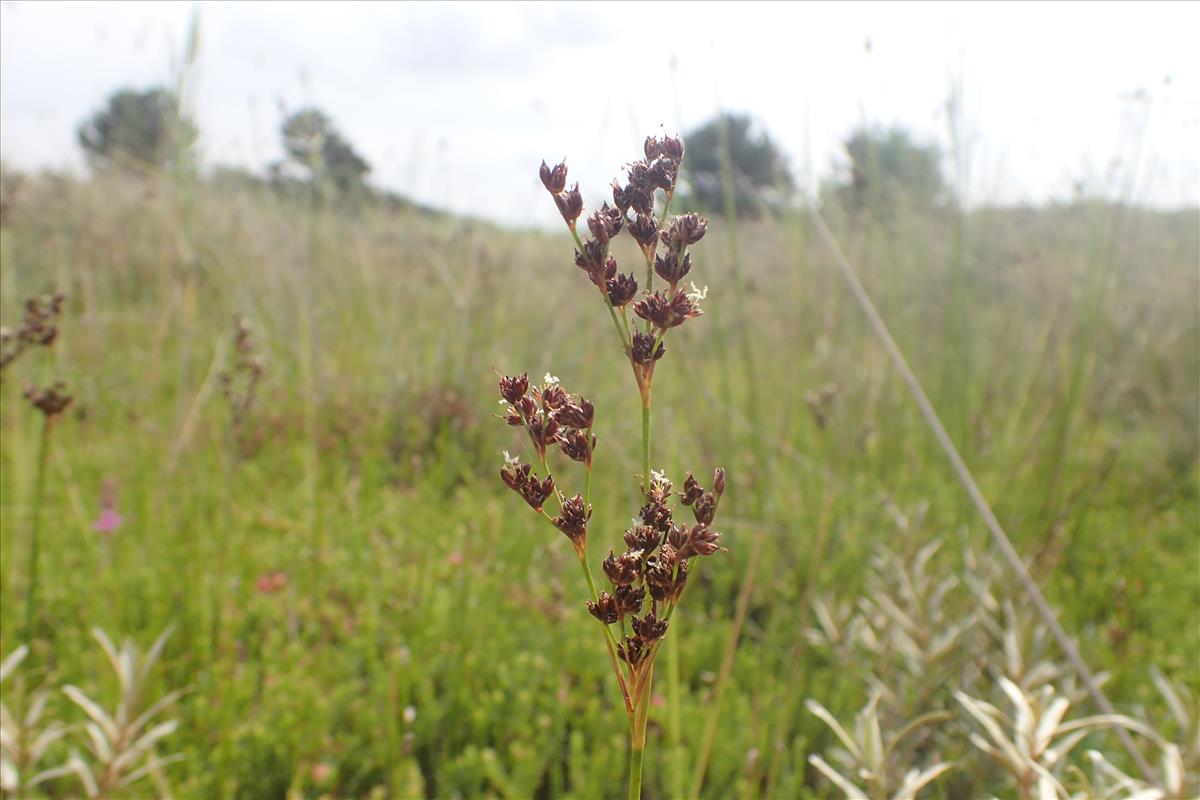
(852, 791)
(80, 768)
(1171, 696)
(149, 714)
(101, 745)
(10, 780)
(915, 781)
(10, 663)
(143, 744)
(1048, 725)
(151, 766)
(92, 709)
(1024, 724)
(821, 713)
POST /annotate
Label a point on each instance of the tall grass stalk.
(35, 527)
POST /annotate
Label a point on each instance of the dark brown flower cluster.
(653, 570)
(552, 418)
(38, 327)
(664, 244)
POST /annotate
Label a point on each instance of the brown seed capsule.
(573, 519)
(542, 431)
(652, 148)
(554, 397)
(671, 147)
(644, 230)
(620, 197)
(719, 481)
(535, 493)
(555, 180)
(570, 205)
(629, 598)
(578, 414)
(624, 569)
(51, 401)
(692, 490)
(575, 445)
(663, 173)
(606, 609)
(667, 577)
(632, 651)
(643, 350)
(657, 516)
(514, 476)
(643, 538)
(650, 628)
(687, 229)
(527, 406)
(605, 222)
(514, 388)
(705, 508)
(513, 416)
(621, 289)
(671, 267)
(656, 308)
(704, 541)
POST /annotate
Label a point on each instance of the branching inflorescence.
(649, 577)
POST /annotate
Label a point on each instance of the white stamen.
(696, 295)
(549, 379)
(511, 459)
(658, 476)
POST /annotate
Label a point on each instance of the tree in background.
(313, 143)
(140, 130)
(888, 168)
(758, 170)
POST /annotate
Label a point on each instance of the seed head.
(624, 569)
(643, 350)
(643, 538)
(657, 516)
(649, 629)
(514, 388)
(605, 608)
(630, 598)
(644, 230)
(542, 431)
(51, 401)
(573, 519)
(671, 267)
(705, 508)
(554, 179)
(662, 174)
(686, 229)
(692, 490)
(578, 414)
(554, 397)
(632, 651)
(719, 481)
(671, 148)
(621, 289)
(570, 205)
(575, 445)
(605, 222)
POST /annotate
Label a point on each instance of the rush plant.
(648, 579)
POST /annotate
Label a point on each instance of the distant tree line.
(730, 164)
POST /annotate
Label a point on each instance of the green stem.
(637, 735)
(646, 444)
(35, 529)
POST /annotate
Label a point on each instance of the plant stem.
(34, 531)
(646, 442)
(637, 735)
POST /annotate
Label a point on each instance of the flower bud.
(570, 205)
(555, 180)
(514, 388)
(605, 608)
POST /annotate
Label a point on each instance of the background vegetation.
(360, 609)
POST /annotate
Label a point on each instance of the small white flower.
(657, 475)
(696, 295)
(549, 379)
(410, 715)
(511, 459)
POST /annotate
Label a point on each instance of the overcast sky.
(456, 104)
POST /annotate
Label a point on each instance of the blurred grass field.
(431, 638)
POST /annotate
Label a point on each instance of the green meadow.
(359, 607)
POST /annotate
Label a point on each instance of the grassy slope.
(1061, 347)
